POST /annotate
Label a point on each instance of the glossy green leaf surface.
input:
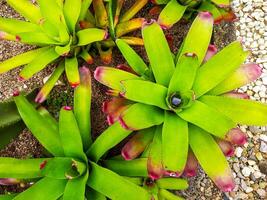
(102, 180)
(199, 114)
(241, 111)
(174, 142)
(219, 67)
(148, 92)
(159, 53)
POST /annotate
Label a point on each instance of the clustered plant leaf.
(68, 173)
(190, 100)
(183, 109)
(52, 26)
(177, 9)
(107, 15)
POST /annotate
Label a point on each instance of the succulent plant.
(68, 173)
(107, 15)
(52, 26)
(10, 121)
(189, 98)
(177, 9)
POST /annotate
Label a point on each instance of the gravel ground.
(250, 164)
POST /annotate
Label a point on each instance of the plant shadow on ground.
(26, 146)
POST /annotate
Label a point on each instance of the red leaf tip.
(68, 108)
(148, 23)
(16, 93)
(205, 15)
(172, 174)
(226, 184)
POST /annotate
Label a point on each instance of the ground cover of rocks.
(250, 162)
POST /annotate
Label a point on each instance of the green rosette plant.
(107, 15)
(67, 173)
(191, 99)
(52, 26)
(178, 9)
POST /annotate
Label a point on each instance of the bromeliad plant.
(107, 15)
(67, 174)
(52, 26)
(188, 96)
(177, 9)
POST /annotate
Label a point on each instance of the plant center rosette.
(183, 108)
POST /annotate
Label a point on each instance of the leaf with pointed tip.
(242, 76)
(159, 53)
(51, 11)
(112, 77)
(84, 8)
(44, 132)
(129, 26)
(136, 167)
(26, 9)
(45, 189)
(219, 67)
(14, 26)
(50, 83)
(101, 14)
(211, 158)
(71, 11)
(90, 35)
(154, 162)
(82, 106)
(21, 59)
(184, 74)
(131, 12)
(148, 92)
(241, 111)
(72, 71)
(75, 188)
(138, 143)
(133, 59)
(22, 169)
(199, 114)
(171, 14)
(174, 143)
(38, 63)
(70, 134)
(198, 38)
(102, 180)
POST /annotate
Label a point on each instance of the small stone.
(238, 152)
(259, 156)
(263, 167)
(263, 147)
(257, 174)
(263, 137)
(249, 189)
(261, 192)
(251, 162)
(246, 171)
